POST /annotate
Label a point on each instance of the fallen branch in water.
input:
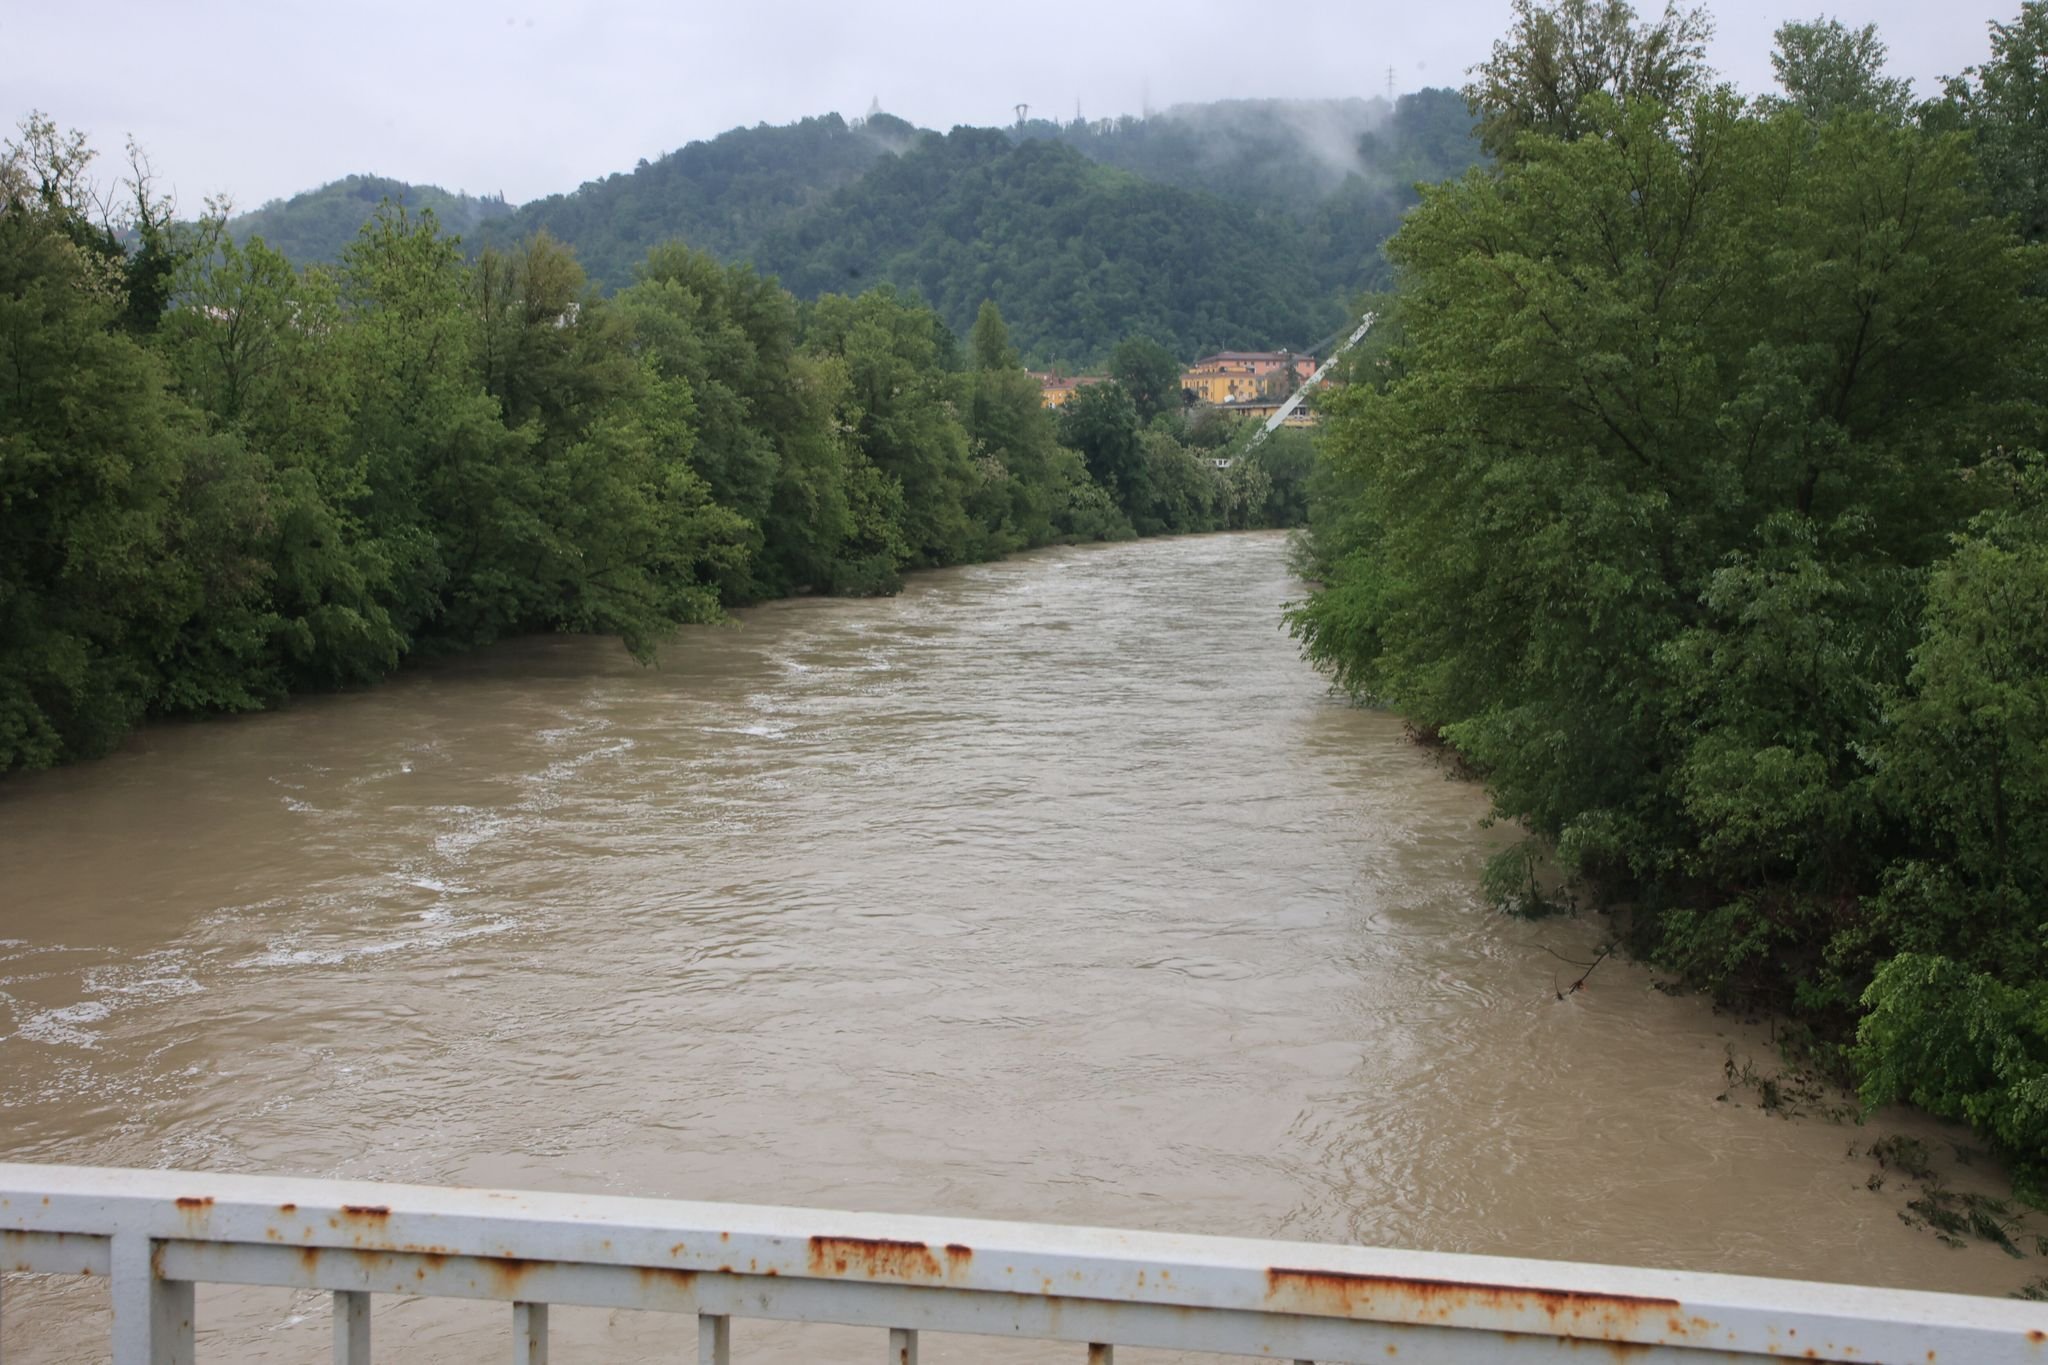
(1578, 985)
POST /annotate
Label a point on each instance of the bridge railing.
(158, 1233)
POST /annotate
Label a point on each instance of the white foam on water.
(544, 793)
(111, 987)
(445, 932)
(479, 828)
(65, 1026)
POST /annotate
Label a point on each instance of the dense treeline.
(224, 479)
(1238, 224)
(1694, 496)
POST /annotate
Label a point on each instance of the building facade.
(1054, 388)
(1234, 377)
(1262, 410)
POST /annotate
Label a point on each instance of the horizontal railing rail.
(159, 1233)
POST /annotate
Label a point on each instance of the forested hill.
(721, 196)
(1285, 154)
(316, 224)
(1078, 254)
(1343, 170)
(1241, 223)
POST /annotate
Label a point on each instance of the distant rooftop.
(1256, 355)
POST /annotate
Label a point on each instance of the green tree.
(1149, 373)
(1827, 68)
(441, 472)
(1964, 760)
(761, 420)
(988, 345)
(1636, 507)
(1181, 492)
(93, 453)
(1100, 422)
(601, 518)
(1012, 438)
(257, 347)
(1964, 1045)
(2004, 105)
(899, 409)
(1560, 52)
(158, 248)
(1287, 458)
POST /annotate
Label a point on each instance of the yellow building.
(1262, 410)
(1233, 377)
(1054, 388)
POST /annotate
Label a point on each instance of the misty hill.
(316, 224)
(1076, 254)
(1288, 154)
(723, 196)
(1240, 223)
(1345, 170)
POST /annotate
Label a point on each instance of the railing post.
(351, 1327)
(152, 1316)
(529, 1334)
(714, 1339)
(902, 1346)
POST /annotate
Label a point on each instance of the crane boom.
(1294, 400)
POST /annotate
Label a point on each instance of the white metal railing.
(158, 1233)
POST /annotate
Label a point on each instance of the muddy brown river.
(1056, 889)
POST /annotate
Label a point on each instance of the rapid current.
(1056, 889)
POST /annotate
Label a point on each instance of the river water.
(1056, 889)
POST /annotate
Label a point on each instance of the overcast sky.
(258, 100)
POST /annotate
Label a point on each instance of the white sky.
(259, 99)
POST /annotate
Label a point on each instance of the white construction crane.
(1286, 410)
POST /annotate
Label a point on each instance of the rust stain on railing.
(877, 1258)
(883, 1259)
(1612, 1316)
(671, 1276)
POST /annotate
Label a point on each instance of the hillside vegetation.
(318, 225)
(1076, 253)
(1238, 224)
(722, 196)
